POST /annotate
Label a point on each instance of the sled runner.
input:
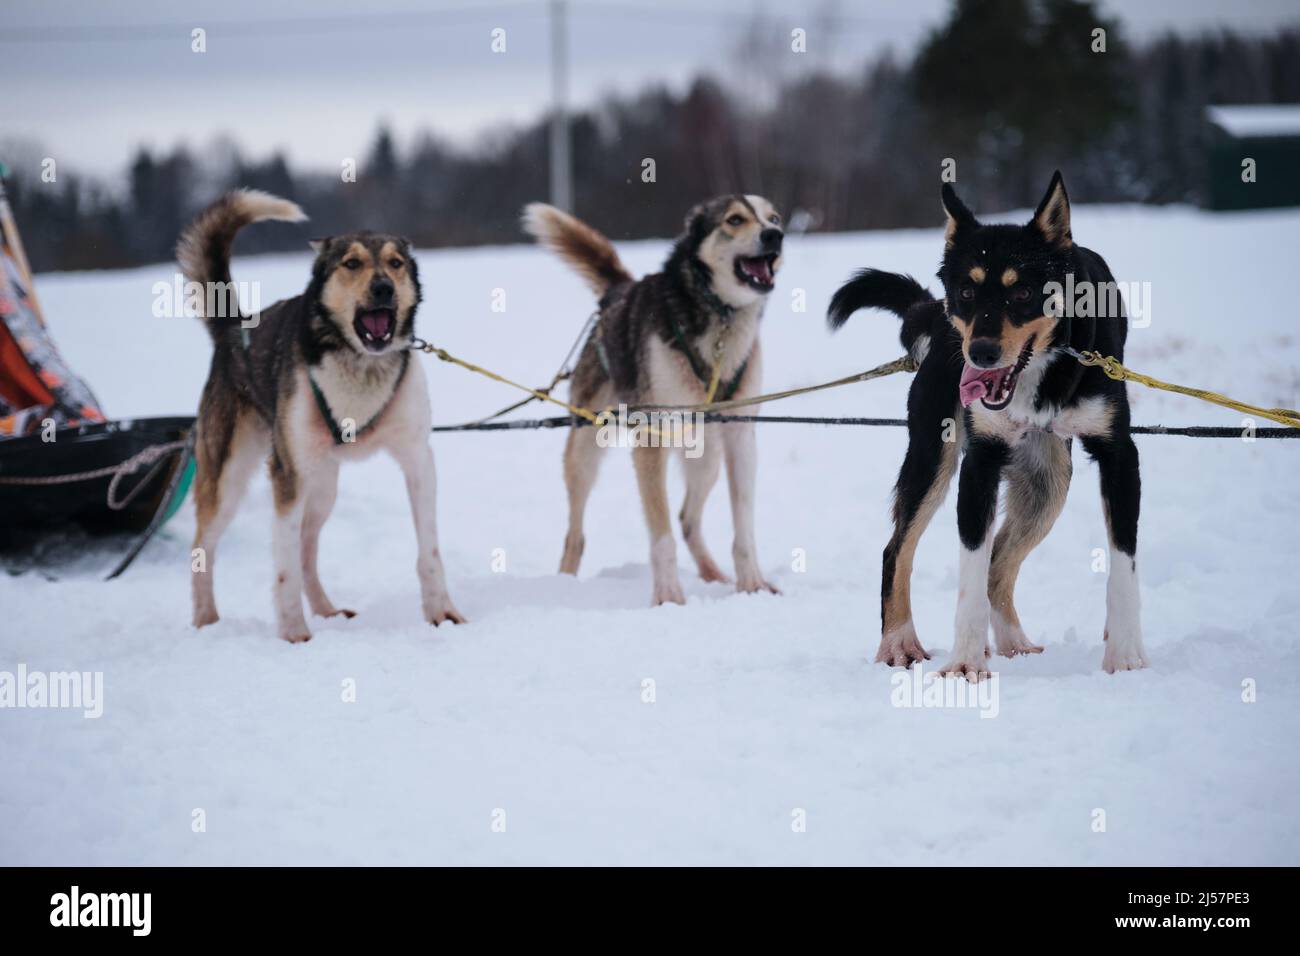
(62, 463)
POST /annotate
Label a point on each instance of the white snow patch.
(763, 705)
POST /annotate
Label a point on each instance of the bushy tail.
(203, 249)
(900, 294)
(585, 249)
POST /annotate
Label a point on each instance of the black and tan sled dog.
(992, 363)
(654, 343)
(312, 381)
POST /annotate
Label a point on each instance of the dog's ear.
(959, 217)
(1052, 219)
(320, 245)
(699, 222)
(412, 267)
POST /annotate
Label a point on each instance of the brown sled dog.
(654, 344)
(312, 381)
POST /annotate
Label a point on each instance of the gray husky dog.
(655, 343)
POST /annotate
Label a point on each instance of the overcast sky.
(88, 82)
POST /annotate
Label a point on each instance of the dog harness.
(726, 392)
(328, 415)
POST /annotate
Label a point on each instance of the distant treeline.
(1009, 89)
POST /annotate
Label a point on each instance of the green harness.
(726, 392)
(245, 339)
(328, 415)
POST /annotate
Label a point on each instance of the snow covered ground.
(525, 737)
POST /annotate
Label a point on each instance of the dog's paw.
(750, 580)
(901, 647)
(340, 612)
(971, 670)
(296, 637)
(1123, 652)
(668, 592)
(710, 572)
(204, 617)
(1012, 640)
(752, 584)
(440, 611)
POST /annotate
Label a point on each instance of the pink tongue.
(376, 323)
(974, 383)
(758, 269)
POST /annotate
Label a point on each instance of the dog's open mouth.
(756, 271)
(995, 386)
(375, 327)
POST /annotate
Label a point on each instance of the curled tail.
(585, 249)
(893, 292)
(203, 249)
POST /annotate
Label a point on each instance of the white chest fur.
(1089, 416)
(673, 381)
(357, 388)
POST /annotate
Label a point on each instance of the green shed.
(1269, 135)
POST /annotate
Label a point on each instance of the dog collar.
(711, 299)
(703, 288)
(324, 405)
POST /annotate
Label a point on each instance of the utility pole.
(561, 161)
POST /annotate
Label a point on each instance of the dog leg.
(701, 473)
(742, 465)
(582, 457)
(922, 485)
(226, 455)
(286, 544)
(977, 502)
(1037, 481)
(316, 511)
(651, 466)
(416, 462)
(1121, 493)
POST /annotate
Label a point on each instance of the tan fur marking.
(1036, 492)
(1010, 277)
(897, 611)
(345, 289)
(949, 229)
(1054, 220)
(651, 466)
(1014, 337)
(978, 274)
(964, 329)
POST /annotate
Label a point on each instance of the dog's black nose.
(771, 239)
(381, 290)
(985, 352)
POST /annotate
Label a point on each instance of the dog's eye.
(967, 293)
(395, 263)
(736, 220)
(353, 263)
(774, 219)
(1020, 293)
